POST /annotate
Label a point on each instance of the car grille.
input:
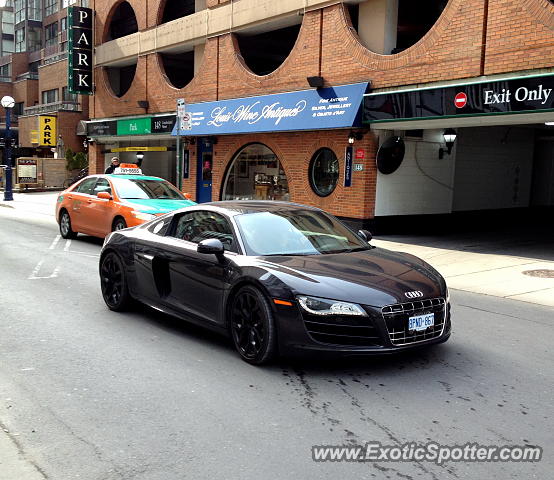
(342, 330)
(396, 319)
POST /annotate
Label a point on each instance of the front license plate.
(421, 322)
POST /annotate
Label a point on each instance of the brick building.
(277, 92)
(34, 73)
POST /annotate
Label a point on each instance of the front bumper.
(378, 333)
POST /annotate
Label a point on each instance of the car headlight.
(143, 216)
(323, 306)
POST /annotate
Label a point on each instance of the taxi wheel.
(114, 283)
(65, 226)
(118, 224)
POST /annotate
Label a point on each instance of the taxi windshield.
(145, 189)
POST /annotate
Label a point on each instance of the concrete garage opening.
(391, 26)
(120, 78)
(179, 67)
(265, 51)
(180, 64)
(497, 178)
(174, 9)
(123, 22)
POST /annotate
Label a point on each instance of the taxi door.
(97, 213)
(77, 199)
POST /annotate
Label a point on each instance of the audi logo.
(416, 294)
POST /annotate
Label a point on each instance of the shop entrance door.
(204, 171)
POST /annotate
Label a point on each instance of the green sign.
(137, 126)
(80, 50)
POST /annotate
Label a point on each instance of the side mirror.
(366, 235)
(211, 246)
(104, 195)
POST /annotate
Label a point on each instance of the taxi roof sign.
(128, 169)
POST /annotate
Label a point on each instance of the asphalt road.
(91, 394)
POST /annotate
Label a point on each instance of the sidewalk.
(43, 203)
(491, 264)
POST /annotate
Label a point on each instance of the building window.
(255, 173)
(6, 71)
(324, 172)
(34, 42)
(51, 34)
(33, 67)
(34, 10)
(18, 109)
(20, 11)
(50, 7)
(20, 40)
(50, 96)
(63, 24)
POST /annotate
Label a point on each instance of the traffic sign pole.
(180, 106)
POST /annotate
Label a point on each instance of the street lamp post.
(8, 103)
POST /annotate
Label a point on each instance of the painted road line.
(36, 271)
(55, 242)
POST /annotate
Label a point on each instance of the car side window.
(202, 225)
(160, 227)
(87, 186)
(102, 185)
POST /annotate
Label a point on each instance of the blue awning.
(325, 108)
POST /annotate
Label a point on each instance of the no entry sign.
(461, 100)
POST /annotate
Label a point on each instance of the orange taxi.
(100, 204)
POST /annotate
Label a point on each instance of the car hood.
(158, 206)
(374, 277)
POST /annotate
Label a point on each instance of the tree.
(75, 161)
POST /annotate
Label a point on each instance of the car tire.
(252, 326)
(119, 224)
(113, 283)
(65, 226)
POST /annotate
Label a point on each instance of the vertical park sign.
(80, 50)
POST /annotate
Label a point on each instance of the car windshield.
(146, 189)
(296, 232)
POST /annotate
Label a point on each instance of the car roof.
(132, 177)
(240, 207)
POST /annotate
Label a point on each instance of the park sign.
(47, 131)
(80, 50)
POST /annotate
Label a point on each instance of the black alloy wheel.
(118, 224)
(252, 326)
(65, 226)
(114, 283)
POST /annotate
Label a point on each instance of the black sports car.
(278, 278)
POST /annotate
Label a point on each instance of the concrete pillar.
(378, 24)
(198, 56)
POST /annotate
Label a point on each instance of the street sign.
(185, 118)
(348, 166)
(460, 100)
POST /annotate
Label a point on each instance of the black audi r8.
(278, 278)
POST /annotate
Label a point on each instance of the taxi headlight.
(323, 306)
(143, 216)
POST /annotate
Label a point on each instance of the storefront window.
(324, 172)
(256, 174)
